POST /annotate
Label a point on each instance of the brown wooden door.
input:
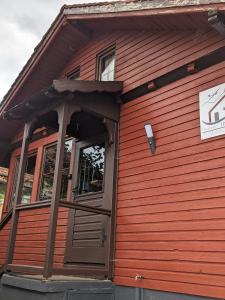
(89, 233)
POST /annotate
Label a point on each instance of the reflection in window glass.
(91, 169)
(3, 182)
(28, 178)
(107, 67)
(49, 168)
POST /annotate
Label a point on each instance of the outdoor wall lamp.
(150, 136)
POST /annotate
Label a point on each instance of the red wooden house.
(87, 195)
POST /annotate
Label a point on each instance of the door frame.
(109, 202)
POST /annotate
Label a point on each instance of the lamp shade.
(148, 129)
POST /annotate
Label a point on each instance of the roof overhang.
(97, 98)
(88, 95)
(140, 7)
(74, 27)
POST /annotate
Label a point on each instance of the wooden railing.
(39, 270)
(6, 218)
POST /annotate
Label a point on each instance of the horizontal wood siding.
(31, 237)
(171, 206)
(61, 236)
(145, 55)
(4, 239)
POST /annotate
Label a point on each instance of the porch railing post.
(63, 120)
(28, 130)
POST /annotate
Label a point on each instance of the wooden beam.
(109, 196)
(28, 131)
(199, 64)
(63, 120)
(34, 205)
(25, 269)
(5, 220)
(79, 29)
(96, 272)
(95, 210)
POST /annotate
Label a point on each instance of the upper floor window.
(106, 65)
(74, 75)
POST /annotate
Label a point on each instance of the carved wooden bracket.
(111, 128)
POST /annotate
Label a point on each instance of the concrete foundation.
(15, 287)
(129, 293)
(18, 287)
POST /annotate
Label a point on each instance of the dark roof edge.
(37, 51)
(104, 8)
(131, 6)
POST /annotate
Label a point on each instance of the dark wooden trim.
(25, 269)
(102, 273)
(109, 192)
(79, 29)
(63, 120)
(5, 220)
(200, 64)
(33, 205)
(70, 74)
(28, 131)
(39, 135)
(100, 211)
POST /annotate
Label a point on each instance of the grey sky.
(22, 24)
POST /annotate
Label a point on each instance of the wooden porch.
(43, 224)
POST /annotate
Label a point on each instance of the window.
(28, 179)
(91, 169)
(74, 75)
(49, 168)
(3, 182)
(217, 117)
(106, 65)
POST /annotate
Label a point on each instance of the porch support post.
(63, 120)
(110, 190)
(28, 131)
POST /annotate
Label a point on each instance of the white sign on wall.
(212, 111)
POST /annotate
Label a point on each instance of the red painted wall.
(170, 208)
(4, 238)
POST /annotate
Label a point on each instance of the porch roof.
(82, 93)
(60, 89)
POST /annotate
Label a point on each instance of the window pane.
(91, 169)
(107, 67)
(3, 182)
(46, 187)
(16, 169)
(66, 168)
(75, 75)
(29, 179)
(49, 169)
